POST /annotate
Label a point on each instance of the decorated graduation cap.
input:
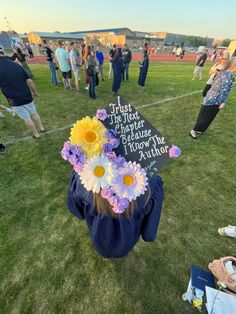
(116, 152)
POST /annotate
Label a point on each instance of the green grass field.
(47, 261)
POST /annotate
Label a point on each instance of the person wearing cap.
(17, 86)
(115, 197)
(215, 99)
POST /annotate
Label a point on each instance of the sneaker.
(2, 115)
(2, 149)
(193, 135)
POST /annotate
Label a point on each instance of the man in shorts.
(63, 59)
(18, 88)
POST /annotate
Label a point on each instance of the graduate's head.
(96, 155)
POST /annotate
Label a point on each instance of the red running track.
(136, 56)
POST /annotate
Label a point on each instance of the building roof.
(107, 30)
(55, 35)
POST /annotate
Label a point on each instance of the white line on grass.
(26, 138)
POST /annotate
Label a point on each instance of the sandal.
(229, 231)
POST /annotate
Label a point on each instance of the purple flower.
(119, 161)
(65, 152)
(174, 151)
(110, 133)
(78, 167)
(101, 114)
(106, 193)
(76, 150)
(114, 142)
(111, 156)
(113, 201)
(121, 206)
(73, 160)
(107, 148)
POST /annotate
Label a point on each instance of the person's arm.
(32, 87)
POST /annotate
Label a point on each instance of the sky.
(212, 18)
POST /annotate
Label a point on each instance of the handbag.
(217, 267)
(91, 70)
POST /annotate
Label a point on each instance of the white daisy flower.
(130, 182)
(98, 173)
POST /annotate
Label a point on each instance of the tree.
(195, 41)
(226, 42)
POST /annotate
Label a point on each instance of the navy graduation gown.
(114, 237)
(117, 66)
(143, 71)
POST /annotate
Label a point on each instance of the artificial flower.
(89, 134)
(97, 173)
(130, 181)
(107, 148)
(74, 155)
(110, 133)
(114, 142)
(101, 114)
(174, 151)
(121, 206)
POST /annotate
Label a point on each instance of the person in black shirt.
(18, 88)
(199, 65)
(127, 57)
(49, 55)
(20, 56)
(30, 51)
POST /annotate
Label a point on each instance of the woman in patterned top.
(215, 99)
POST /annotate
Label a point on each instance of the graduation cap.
(140, 141)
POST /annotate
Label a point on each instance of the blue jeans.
(92, 85)
(53, 72)
(126, 71)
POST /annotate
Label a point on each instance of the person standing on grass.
(111, 56)
(100, 58)
(143, 69)
(49, 55)
(20, 57)
(91, 64)
(63, 59)
(30, 51)
(75, 65)
(215, 99)
(17, 86)
(118, 68)
(215, 69)
(199, 65)
(127, 57)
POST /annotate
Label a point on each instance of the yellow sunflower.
(89, 134)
